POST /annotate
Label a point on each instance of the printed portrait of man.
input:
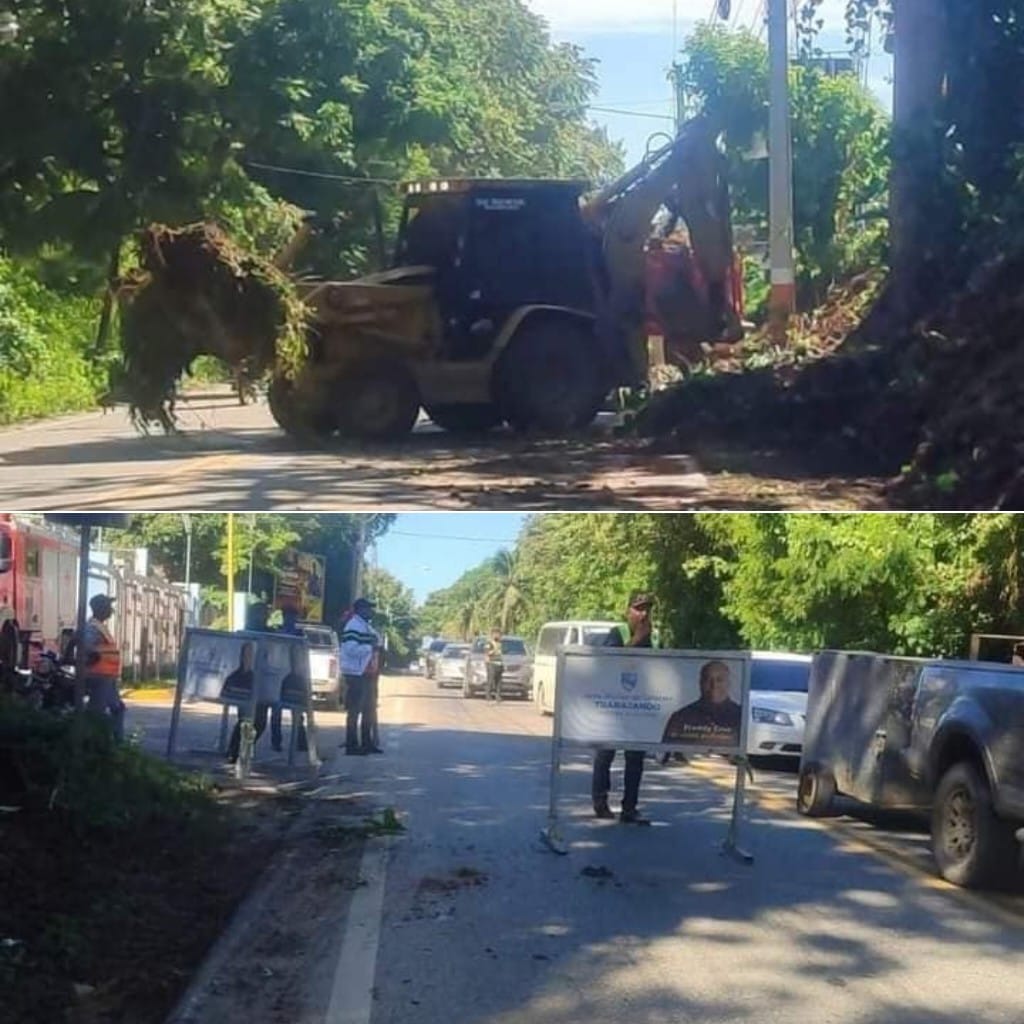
(713, 719)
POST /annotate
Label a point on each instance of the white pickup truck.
(324, 674)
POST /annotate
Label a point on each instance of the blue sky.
(634, 42)
(431, 550)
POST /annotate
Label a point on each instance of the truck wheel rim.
(960, 832)
(807, 787)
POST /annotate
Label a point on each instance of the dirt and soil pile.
(937, 409)
(197, 293)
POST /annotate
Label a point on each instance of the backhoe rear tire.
(551, 378)
(465, 419)
(376, 400)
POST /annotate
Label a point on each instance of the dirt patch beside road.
(109, 925)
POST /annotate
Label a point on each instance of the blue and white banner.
(653, 699)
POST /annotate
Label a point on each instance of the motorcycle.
(53, 684)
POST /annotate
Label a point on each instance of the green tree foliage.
(262, 536)
(840, 162)
(43, 341)
(909, 584)
(395, 616)
(118, 113)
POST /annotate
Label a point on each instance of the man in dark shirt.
(635, 633)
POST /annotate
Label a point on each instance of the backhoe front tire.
(551, 378)
(375, 401)
(465, 419)
(305, 418)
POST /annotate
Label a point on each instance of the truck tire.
(465, 419)
(973, 847)
(815, 792)
(297, 415)
(551, 378)
(376, 400)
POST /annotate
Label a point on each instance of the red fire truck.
(38, 577)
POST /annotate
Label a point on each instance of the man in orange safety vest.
(103, 664)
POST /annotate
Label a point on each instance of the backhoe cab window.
(429, 235)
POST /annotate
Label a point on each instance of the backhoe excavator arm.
(688, 176)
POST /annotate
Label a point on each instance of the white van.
(586, 633)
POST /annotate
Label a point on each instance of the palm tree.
(506, 599)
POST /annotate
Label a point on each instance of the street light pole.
(231, 571)
(782, 302)
(186, 521)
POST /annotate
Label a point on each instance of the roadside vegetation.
(113, 871)
(899, 583)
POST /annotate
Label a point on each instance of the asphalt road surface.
(468, 917)
(228, 456)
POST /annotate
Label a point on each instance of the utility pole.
(231, 571)
(358, 554)
(782, 303)
(186, 522)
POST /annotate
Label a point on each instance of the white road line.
(352, 989)
(353, 985)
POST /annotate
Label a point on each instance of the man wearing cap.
(635, 632)
(359, 642)
(102, 659)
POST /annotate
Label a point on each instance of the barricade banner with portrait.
(658, 701)
(257, 673)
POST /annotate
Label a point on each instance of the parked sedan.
(432, 655)
(450, 666)
(778, 704)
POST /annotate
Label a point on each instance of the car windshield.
(454, 652)
(780, 676)
(512, 645)
(438, 645)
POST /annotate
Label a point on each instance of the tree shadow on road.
(654, 924)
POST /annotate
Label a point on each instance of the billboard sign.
(653, 700)
(299, 585)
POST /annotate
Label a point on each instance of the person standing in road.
(495, 666)
(103, 664)
(290, 626)
(358, 644)
(636, 632)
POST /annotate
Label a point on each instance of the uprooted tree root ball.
(197, 293)
(937, 409)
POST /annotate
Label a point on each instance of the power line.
(322, 174)
(632, 113)
(445, 536)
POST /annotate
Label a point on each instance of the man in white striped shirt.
(358, 652)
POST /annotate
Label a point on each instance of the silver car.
(450, 666)
(515, 679)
